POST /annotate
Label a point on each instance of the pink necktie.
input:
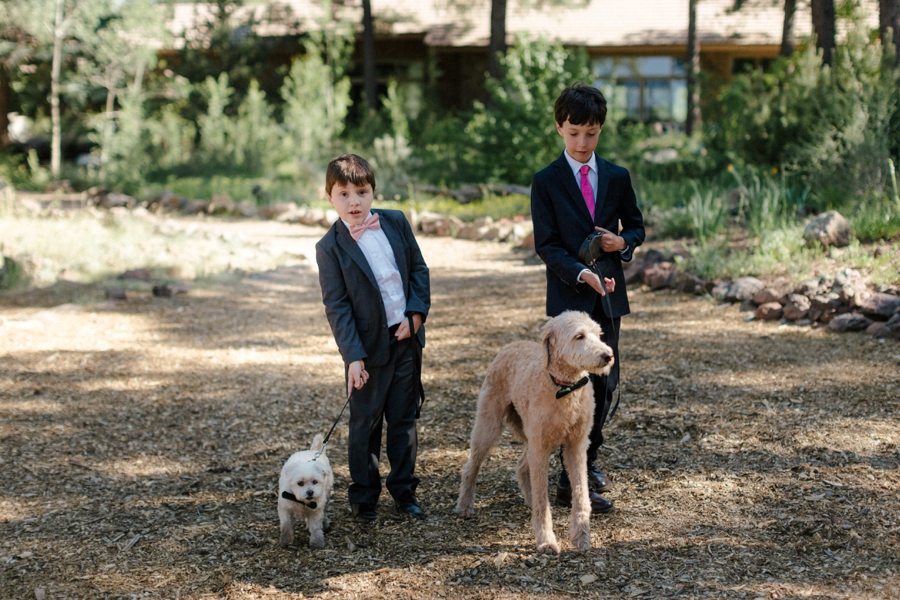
(586, 190)
(357, 230)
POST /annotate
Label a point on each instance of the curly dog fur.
(518, 389)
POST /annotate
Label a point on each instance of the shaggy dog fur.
(519, 389)
(310, 481)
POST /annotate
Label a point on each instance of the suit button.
(384, 326)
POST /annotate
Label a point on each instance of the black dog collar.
(289, 496)
(568, 388)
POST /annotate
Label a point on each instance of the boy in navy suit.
(573, 197)
(375, 287)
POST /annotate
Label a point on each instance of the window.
(648, 89)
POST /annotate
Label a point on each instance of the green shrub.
(876, 219)
(708, 212)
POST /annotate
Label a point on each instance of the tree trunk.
(823, 26)
(370, 81)
(693, 72)
(889, 26)
(787, 29)
(108, 126)
(497, 44)
(56, 129)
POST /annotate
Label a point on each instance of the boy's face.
(352, 203)
(580, 139)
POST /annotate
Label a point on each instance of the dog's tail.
(317, 443)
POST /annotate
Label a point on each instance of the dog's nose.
(310, 493)
(606, 357)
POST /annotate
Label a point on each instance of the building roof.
(591, 23)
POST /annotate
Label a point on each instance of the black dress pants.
(390, 396)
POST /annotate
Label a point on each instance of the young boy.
(573, 197)
(375, 287)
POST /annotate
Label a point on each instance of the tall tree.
(889, 25)
(693, 71)
(370, 81)
(823, 20)
(497, 44)
(787, 28)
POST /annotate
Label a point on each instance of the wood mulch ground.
(140, 445)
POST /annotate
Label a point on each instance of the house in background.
(636, 47)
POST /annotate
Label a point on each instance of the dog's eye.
(580, 336)
(315, 482)
(300, 483)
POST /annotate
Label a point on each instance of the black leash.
(596, 269)
(417, 360)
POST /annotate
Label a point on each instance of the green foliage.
(497, 206)
(876, 219)
(831, 126)
(515, 133)
(708, 212)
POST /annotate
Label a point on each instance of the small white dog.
(303, 492)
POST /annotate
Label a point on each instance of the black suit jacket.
(350, 292)
(562, 222)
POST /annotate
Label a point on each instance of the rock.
(528, 242)
(893, 290)
(633, 270)
(652, 257)
(879, 329)
(136, 274)
(271, 211)
(169, 289)
(815, 313)
(194, 207)
(849, 322)
(767, 295)
(500, 231)
(720, 290)
(660, 275)
(769, 311)
(829, 229)
(850, 287)
(221, 204)
(299, 215)
(880, 307)
(115, 199)
(329, 218)
(165, 201)
(688, 283)
(743, 288)
(796, 307)
(814, 286)
(477, 229)
(246, 208)
(520, 231)
(893, 325)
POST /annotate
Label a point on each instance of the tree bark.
(497, 44)
(693, 71)
(787, 29)
(5, 93)
(56, 128)
(889, 26)
(370, 78)
(823, 18)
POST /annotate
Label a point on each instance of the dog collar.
(289, 496)
(568, 388)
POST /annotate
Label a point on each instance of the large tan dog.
(535, 388)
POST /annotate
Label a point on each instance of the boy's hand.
(403, 328)
(357, 376)
(610, 242)
(592, 280)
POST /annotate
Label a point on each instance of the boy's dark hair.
(581, 104)
(348, 168)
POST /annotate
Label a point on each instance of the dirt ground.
(142, 440)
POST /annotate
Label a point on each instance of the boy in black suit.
(375, 287)
(574, 196)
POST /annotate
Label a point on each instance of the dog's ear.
(317, 443)
(548, 349)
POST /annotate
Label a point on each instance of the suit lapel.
(349, 245)
(393, 237)
(602, 185)
(564, 172)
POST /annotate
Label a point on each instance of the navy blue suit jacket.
(350, 292)
(562, 222)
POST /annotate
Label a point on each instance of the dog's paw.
(464, 511)
(286, 540)
(548, 548)
(581, 540)
(317, 540)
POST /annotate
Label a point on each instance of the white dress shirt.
(380, 256)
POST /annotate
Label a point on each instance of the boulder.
(880, 307)
(689, 283)
(221, 204)
(166, 201)
(743, 289)
(660, 275)
(527, 242)
(850, 322)
(633, 270)
(796, 307)
(893, 325)
(246, 208)
(829, 229)
(114, 199)
(271, 211)
(477, 229)
(850, 287)
(720, 290)
(136, 275)
(767, 295)
(194, 207)
(769, 311)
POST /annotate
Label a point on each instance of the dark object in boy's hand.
(590, 250)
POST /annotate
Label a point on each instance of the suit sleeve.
(419, 300)
(548, 238)
(338, 309)
(632, 220)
